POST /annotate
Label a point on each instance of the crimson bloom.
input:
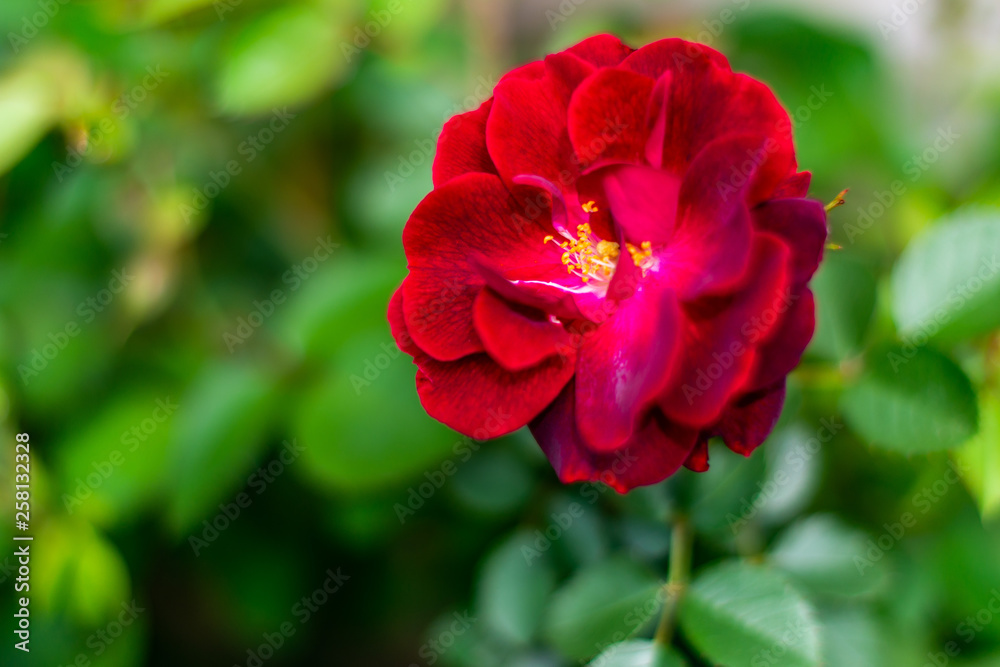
(616, 253)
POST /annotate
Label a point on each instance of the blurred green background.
(201, 212)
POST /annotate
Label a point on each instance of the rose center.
(594, 259)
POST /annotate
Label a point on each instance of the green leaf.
(601, 605)
(513, 589)
(638, 653)
(282, 58)
(220, 427)
(852, 638)
(911, 400)
(845, 300)
(741, 614)
(821, 553)
(112, 467)
(979, 458)
(946, 284)
(363, 426)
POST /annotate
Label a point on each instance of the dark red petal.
(747, 423)
(397, 324)
(471, 213)
(477, 397)
(462, 146)
(624, 364)
(607, 116)
(532, 70)
(526, 132)
(783, 350)
(796, 185)
(697, 460)
(703, 103)
(643, 201)
(672, 55)
(514, 336)
(601, 50)
(802, 225)
(710, 248)
(721, 336)
(656, 451)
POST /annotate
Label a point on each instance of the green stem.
(681, 541)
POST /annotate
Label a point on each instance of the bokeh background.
(200, 213)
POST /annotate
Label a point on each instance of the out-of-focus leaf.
(494, 481)
(80, 572)
(363, 427)
(217, 436)
(911, 400)
(600, 605)
(736, 613)
(852, 638)
(946, 284)
(281, 58)
(113, 466)
(160, 11)
(513, 589)
(826, 556)
(794, 459)
(979, 458)
(638, 653)
(845, 300)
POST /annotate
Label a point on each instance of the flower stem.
(681, 541)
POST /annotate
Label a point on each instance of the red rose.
(616, 252)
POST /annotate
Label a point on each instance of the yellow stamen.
(592, 258)
(590, 207)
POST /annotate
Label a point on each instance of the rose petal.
(721, 335)
(516, 337)
(802, 224)
(624, 364)
(526, 133)
(673, 54)
(643, 202)
(745, 425)
(796, 185)
(478, 398)
(781, 352)
(601, 50)
(607, 116)
(462, 146)
(657, 450)
(471, 213)
(697, 460)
